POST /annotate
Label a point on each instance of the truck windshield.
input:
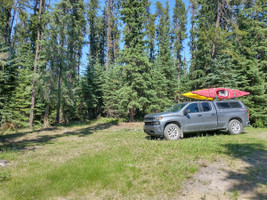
(176, 107)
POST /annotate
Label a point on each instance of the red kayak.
(220, 93)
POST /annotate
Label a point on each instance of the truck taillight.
(248, 114)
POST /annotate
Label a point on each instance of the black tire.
(172, 132)
(153, 137)
(235, 127)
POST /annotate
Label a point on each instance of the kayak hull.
(220, 93)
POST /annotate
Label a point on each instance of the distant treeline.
(134, 57)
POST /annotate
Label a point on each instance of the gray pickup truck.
(230, 115)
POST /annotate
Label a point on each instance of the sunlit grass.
(107, 161)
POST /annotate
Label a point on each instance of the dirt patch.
(127, 126)
(226, 180)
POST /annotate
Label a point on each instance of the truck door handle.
(199, 115)
(213, 114)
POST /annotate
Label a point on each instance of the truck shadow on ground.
(194, 135)
(13, 142)
(204, 134)
(253, 175)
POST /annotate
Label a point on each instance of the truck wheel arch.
(236, 118)
(178, 124)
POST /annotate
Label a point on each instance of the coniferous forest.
(76, 60)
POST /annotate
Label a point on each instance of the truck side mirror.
(186, 112)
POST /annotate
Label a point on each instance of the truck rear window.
(235, 105)
(223, 105)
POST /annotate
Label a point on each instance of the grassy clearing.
(106, 160)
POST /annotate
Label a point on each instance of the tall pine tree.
(164, 59)
(134, 61)
(179, 35)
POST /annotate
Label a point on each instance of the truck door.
(193, 120)
(209, 116)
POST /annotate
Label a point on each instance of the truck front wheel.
(235, 127)
(172, 132)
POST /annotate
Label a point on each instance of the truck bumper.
(247, 123)
(153, 130)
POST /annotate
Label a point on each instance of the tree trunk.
(151, 52)
(178, 58)
(78, 66)
(13, 41)
(193, 48)
(46, 116)
(179, 74)
(58, 95)
(114, 48)
(132, 114)
(35, 65)
(12, 23)
(109, 39)
(219, 12)
(60, 69)
(7, 23)
(193, 34)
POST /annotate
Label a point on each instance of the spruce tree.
(151, 32)
(179, 30)
(92, 87)
(111, 92)
(75, 29)
(6, 20)
(92, 17)
(17, 106)
(60, 71)
(213, 39)
(158, 95)
(35, 68)
(113, 33)
(164, 58)
(134, 61)
(22, 54)
(102, 40)
(179, 35)
(193, 10)
(7, 76)
(222, 73)
(251, 60)
(76, 34)
(92, 90)
(47, 83)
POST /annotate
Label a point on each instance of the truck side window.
(206, 106)
(193, 108)
(223, 105)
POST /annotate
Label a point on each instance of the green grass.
(100, 160)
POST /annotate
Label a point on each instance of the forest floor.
(108, 159)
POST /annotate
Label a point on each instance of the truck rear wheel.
(235, 127)
(172, 132)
